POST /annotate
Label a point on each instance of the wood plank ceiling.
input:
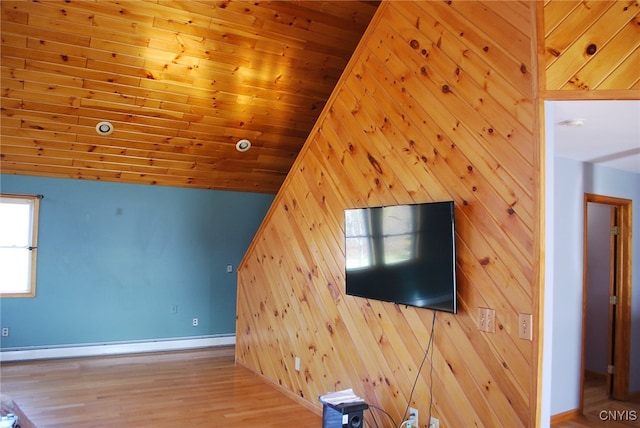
(181, 82)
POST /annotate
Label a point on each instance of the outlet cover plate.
(297, 364)
(413, 417)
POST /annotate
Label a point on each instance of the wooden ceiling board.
(181, 81)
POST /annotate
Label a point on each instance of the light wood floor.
(597, 400)
(203, 388)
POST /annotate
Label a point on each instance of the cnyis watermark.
(618, 415)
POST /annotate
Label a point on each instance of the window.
(18, 244)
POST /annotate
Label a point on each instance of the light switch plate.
(487, 320)
(525, 322)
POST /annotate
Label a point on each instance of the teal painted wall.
(114, 259)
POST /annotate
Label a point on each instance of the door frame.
(622, 332)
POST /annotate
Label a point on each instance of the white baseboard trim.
(102, 349)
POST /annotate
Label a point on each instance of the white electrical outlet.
(229, 268)
(194, 322)
(5, 331)
(297, 364)
(435, 423)
(413, 417)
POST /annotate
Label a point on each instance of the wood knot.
(423, 70)
(374, 163)
(523, 69)
(485, 261)
(486, 48)
(511, 211)
(446, 89)
(330, 329)
(414, 44)
(591, 49)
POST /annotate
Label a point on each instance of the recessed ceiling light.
(243, 145)
(104, 128)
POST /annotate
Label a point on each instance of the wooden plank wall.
(438, 103)
(592, 46)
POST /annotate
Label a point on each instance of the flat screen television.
(403, 254)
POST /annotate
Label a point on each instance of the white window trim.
(35, 199)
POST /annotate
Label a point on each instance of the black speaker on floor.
(346, 415)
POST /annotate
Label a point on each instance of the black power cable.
(385, 412)
(404, 415)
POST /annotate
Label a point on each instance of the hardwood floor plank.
(203, 388)
(600, 411)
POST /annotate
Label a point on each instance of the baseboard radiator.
(115, 348)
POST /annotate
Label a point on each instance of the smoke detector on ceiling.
(243, 145)
(104, 128)
(573, 123)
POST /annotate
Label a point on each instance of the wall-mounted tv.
(403, 254)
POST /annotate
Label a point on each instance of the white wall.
(571, 180)
(567, 286)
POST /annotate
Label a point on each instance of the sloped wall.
(438, 104)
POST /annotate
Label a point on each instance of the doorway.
(606, 314)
